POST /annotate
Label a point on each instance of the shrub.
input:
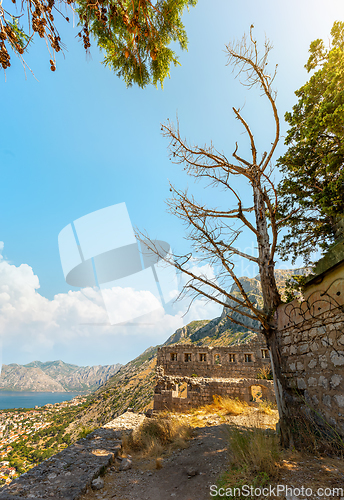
(313, 434)
(265, 373)
(85, 431)
(155, 434)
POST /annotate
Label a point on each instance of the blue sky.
(77, 140)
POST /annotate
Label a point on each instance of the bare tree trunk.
(272, 300)
(281, 392)
(271, 295)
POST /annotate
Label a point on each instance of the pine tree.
(134, 34)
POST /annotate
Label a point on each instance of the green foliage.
(49, 443)
(85, 431)
(135, 35)
(44, 443)
(312, 188)
(19, 36)
(67, 439)
(293, 287)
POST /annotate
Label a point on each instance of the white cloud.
(75, 327)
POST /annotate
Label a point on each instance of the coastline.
(10, 400)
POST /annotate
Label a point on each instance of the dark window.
(232, 358)
(203, 357)
(248, 358)
(265, 353)
(187, 357)
(217, 359)
(173, 356)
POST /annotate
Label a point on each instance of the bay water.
(31, 399)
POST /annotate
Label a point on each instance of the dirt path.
(185, 475)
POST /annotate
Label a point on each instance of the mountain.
(54, 376)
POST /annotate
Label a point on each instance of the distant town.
(28, 436)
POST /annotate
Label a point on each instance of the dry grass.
(157, 435)
(317, 438)
(257, 460)
(229, 406)
(267, 407)
(219, 409)
(254, 448)
(222, 406)
(217, 412)
(254, 455)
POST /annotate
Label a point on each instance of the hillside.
(132, 386)
(54, 376)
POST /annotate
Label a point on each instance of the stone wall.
(237, 361)
(311, 345)
(200, 391)
(68, 474)
(71, 472)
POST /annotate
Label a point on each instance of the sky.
(75, 141)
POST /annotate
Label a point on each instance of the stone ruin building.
(189, 375)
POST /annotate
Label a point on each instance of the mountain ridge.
(54, 376)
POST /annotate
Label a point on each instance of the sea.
(9, 400)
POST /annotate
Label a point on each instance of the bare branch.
(248, 130)
(243, 324)
(178, 207)
(213, 231)
(247, 58)
(197, 159)
(228, 266)
(241, 160)
(258, 315)
(227, 306)
(237, 252)
(202, 211)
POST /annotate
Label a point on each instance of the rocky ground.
(187, 474)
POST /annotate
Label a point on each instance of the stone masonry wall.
(200, 391)
(311, 340)
(237, 361)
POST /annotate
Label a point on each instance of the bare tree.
(214, 232)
